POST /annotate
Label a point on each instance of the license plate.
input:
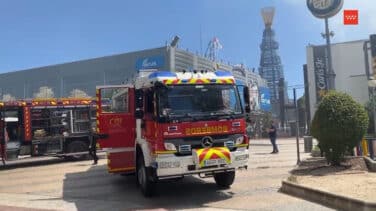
(214, 162)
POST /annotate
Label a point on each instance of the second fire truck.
(172, 124)
(58, 127)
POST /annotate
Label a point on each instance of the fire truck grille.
(185, 145)
(185, 149)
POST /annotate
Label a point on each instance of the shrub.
(339, 125)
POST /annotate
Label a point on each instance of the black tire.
(224, 179)
(77, 146)
(143, 176)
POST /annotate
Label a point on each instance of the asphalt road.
(80, 186)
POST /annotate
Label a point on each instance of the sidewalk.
(347, 187)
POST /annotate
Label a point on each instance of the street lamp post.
(295, 107)
(297, 127)
(325, 9)
(331, 74)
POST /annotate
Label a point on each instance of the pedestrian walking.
(93, 149)
(272, 131)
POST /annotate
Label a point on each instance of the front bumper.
(170, 165)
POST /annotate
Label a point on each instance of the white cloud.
(367, 19)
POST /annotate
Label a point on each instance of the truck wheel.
(224, 179)
(143, 178)
(77, 146)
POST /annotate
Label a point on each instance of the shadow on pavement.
(95, 189)
(31, 162)
(262, 153)
(38, 161)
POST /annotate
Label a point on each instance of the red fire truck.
(172, 124)
(60, 127)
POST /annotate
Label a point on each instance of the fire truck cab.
(172, 124)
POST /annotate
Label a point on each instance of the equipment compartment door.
(2, 140)
(115, 119)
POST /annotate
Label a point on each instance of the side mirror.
(246, 99)
(139, 98)
(139, 114)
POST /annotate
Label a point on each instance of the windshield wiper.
(225, 114)
(183, 116)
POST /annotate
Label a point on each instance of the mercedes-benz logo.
(207, 142)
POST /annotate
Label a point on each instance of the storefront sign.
(265, 99)
(319, 61)
(150, 62)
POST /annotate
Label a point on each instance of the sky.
(44, 32)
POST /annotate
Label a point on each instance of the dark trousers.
(93, 149)
(273, 140)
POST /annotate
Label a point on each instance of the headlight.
(239, 140)
(169, 146)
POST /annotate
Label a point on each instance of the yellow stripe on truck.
(208, 153)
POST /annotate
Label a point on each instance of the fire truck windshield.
(198, 101)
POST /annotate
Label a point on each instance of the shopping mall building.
(85, 75)
(350, 66)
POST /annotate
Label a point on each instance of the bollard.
(308, 144)
(358, 151)
(364, 147)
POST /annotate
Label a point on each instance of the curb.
(328, 199)
(371, 164)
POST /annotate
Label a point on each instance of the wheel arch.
(143, 148)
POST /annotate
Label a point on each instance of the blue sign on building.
(152, 62)
(265, 99)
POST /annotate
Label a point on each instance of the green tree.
(78, 93)
(44, 92)
(8, 97)
(339, 125)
